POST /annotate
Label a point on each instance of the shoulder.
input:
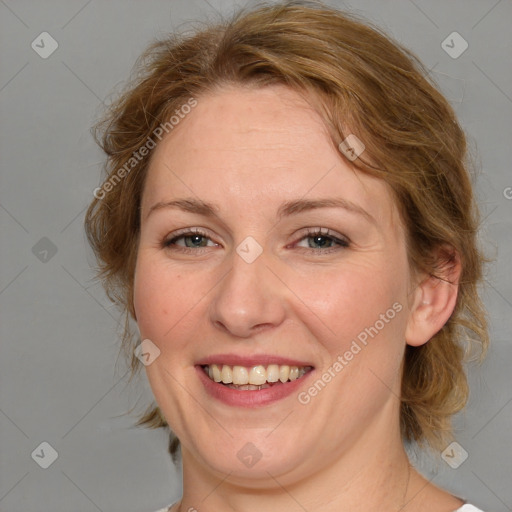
(465, 508)
(171, 507)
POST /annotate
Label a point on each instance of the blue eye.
(318, 241)
(193, 240)
(323, 241)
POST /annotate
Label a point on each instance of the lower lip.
(250, 398)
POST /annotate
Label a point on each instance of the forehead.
(241, 146)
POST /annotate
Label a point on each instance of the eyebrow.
(287, 209)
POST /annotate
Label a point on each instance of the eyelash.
(342, 243)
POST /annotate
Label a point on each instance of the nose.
(249, 299)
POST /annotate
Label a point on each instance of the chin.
(251, 459)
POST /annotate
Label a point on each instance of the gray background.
(58, 378)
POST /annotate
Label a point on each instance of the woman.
(289, 219)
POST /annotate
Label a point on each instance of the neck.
(371, 476)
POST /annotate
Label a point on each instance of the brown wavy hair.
(362, 82)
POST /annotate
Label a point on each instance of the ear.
(434, 298)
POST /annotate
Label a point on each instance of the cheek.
(343, 303)
(158, 298)
(167, 299)
(358, 316)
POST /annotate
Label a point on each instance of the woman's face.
(295, 260)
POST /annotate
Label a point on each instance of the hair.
(363, 83)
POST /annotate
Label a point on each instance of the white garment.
(465, 508)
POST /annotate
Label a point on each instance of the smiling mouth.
(256, 377)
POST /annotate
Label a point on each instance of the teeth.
(273, 373)
(240, 375)
(217, 376)
(248, 387)
(257, 377)
(226, 375)
(294, 373)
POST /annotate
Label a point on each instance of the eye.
(323, 240)
(318, 240)
(187, 240)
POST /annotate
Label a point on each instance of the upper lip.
(252, 360)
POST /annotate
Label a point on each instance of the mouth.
(253, 381)
(254, 378)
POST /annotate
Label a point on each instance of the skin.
(248, 151)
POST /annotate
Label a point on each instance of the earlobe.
(435, 298)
